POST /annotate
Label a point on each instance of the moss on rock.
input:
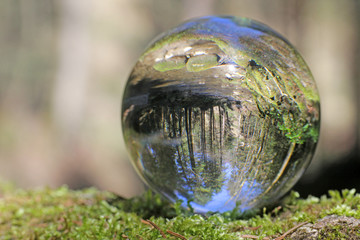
(92, 214)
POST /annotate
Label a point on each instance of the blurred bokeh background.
(64, 63)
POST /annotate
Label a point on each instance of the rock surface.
(329, 227)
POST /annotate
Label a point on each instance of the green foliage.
(91, 214)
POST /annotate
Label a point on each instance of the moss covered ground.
(92, 214)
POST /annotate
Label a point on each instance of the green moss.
(90, 214)
(164, 66)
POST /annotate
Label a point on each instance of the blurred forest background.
(64, 63)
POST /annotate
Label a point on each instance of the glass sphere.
(221, 112)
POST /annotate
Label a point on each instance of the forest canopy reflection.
(192, 144)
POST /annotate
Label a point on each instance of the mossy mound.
(91, 214)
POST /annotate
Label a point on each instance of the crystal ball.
(221, 112)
